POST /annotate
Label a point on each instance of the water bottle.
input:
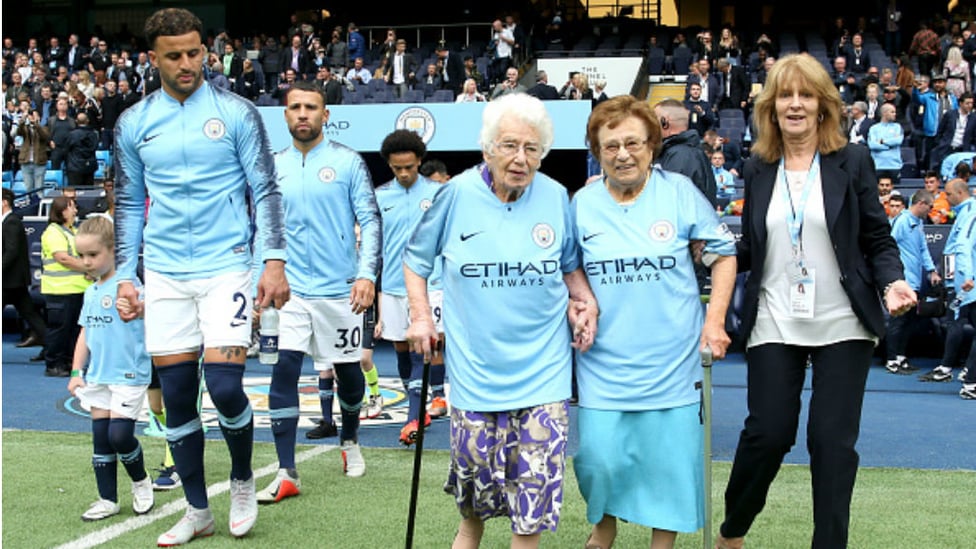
(268, 353)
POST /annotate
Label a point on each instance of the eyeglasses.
(632, 146)
(511, 148)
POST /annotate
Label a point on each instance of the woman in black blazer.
(817, 243)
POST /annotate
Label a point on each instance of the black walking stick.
(418, 455)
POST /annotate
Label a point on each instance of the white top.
(833, 319)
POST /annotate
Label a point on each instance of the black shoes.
(323, 430)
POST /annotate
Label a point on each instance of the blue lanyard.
(794, 215)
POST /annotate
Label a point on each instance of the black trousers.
(62, 329)
(776, 373)
(20, 298)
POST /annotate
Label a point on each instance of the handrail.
(417, 30)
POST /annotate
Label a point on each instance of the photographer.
(33, 150)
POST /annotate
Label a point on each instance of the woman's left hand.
(900, 298)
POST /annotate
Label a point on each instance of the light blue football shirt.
(117, 349)
(325, 193)
(508, 340)
(637, 260)
(401, 209)
(194, 160)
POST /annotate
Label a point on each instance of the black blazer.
(16, 263)
(858, 227)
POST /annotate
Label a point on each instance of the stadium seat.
(413, 96)
(442, 96)
(104, 159)
(351, 97)
(376, 86)
(382, 96)
(655, 63)
(54, 178)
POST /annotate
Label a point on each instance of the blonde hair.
(800, 71)
(101, 227)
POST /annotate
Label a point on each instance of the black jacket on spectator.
(683, 153)
(80, 147)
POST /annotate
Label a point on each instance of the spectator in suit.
(79, 151)
(702, 115)
(845, 81)
(956, 131)
(296, 57)
(330, 85)
(543, 89)
(858, 58)
(17, 275)
(453, 74)
(711, 86)
(431, 80)
(126, 95)
(858, 123)
(401, 68)
(735, 85)
(76, 56)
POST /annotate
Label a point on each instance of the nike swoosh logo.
(126, 405)
(465, 237)
(589, 236)
(348, 351)
(238, 523)
(150, 138)
(237, 323)
(387, 209)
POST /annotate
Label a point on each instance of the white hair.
(522, 107)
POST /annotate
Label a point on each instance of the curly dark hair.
(402, 141)
(171, 22)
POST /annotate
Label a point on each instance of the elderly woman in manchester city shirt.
(510, 266)
(637, 382)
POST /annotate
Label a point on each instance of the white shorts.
(395, 314)
(325, 329)
(182, 315)
(120, 400)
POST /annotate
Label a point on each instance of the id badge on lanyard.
(800, 274)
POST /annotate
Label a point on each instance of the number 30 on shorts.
(346, 338)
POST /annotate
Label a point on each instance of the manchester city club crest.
(418, 120)
(543, 235)
(214, 128)
(107, 302)
(327, 175)
(425, 204)
(662, 231)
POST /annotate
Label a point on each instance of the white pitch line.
(109, 533)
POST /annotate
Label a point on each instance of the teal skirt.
(642, 467)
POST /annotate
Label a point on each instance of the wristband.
(75, 373)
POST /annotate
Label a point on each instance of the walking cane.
(706, 360)
(418, 454)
